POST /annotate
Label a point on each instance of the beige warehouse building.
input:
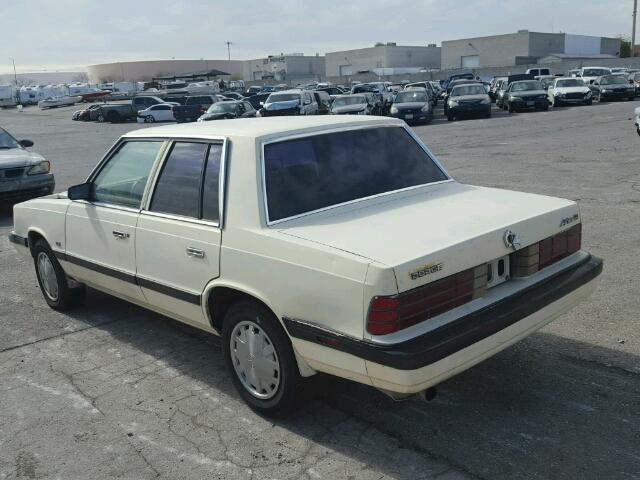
(145, 70)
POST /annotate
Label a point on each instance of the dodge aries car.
(321, 244)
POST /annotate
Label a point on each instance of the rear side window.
(178, 187)
(319, 171)
(188, 184)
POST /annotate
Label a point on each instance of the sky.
(68, 35)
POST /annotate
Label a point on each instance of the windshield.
(411, 96)
(222, 107)
(595, 72)
(7, 141)
(349, 100)
(468, 90)
(283, 97)
(613, 80)
(570, 82)
(311, 173)
(525, 86)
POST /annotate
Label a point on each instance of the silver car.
(23, 174)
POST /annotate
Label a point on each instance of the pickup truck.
(193, 108)
(251, 229)
(121, 112)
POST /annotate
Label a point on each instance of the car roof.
(262, 127)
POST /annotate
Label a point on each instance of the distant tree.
(625, 46)
(81, 77)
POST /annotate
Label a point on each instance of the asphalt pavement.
(114, 391)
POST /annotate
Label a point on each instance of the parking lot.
(115, 391)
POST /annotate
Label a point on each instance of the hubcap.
(48, 276)
(255, 360)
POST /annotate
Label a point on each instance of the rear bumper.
(25, 187)
(416, 364)
(470, 109)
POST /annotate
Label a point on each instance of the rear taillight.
(390, 314)
(533, 258)
(393, 313)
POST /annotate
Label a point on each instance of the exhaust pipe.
(428, 394)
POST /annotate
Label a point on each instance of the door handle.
(194, 252)
(120, 235)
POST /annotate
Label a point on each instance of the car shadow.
(533, 411)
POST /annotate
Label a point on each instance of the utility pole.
(15, 75)
(633, 30)
(228, 43)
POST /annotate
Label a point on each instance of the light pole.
(633, 30)
(15, 75)
(229, 49)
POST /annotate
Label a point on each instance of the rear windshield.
(468, 90)
(409, 96)
(311, 173)
(283, 97)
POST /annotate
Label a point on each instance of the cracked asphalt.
(114, 391)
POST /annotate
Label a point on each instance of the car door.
(100, 233)
(163, 113)
(178, 234)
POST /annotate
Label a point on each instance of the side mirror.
(26, 143)
(80, 192)
(262, 104)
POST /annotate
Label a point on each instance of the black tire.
(150, 119)
(545, 108)
(638, 130)
(589, 102)
(450, 118)
(511, 108)
(556, 102)
(488, 114)
(113, 117)
(284, 400)
(67, 298)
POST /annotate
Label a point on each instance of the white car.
(569, 91)
(589, 74)
(320, 244)
(161, 112)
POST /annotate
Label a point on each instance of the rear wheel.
(53, 281)
(260, 358)
(511, 108)
(450, 117)
(114, 117)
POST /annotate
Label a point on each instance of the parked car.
(431, 92)
(589, 74)
(452, 85)
(267, 246)
(227, 110)
(536, 72)
(493, 88)
(358, 104)
(23, 174)
(458, 76)
(501, 88)
(194, 106)
(569, 90)
(289, 102)
(468, 100)
(634, 80)
(257, 101)
(412, 106)
(380, 89)
(121, 112)
(233, 95)
(612, 87)
(253, 90)
(161, 112)
(323, 99)
(525, 94)
(86, 114)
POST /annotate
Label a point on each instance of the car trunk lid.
(440, 229)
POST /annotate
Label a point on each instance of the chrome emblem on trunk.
(511, 240)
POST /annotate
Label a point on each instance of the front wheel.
(53, 281)
(511, 108)
(150, 119)
(260, 358)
